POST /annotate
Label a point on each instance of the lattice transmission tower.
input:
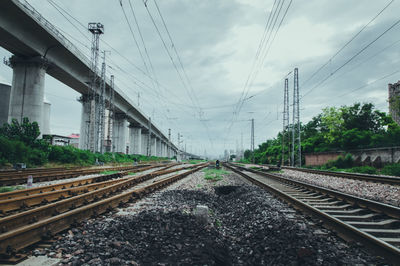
(285, 120)
(91, 136)
(110, 118)
(101, 108)
(296, 132)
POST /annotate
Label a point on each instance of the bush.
(341, 162)
(391, 169)
(364, 170)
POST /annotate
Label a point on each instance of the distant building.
(58, 140)
(74, 140)
(394, 101)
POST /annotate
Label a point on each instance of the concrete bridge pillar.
(144, 138)
(153, 146)
(84, 131)
(135, 140)
(159, 147)
(120, 133)
(27, 90)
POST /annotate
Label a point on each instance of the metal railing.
(50, 28)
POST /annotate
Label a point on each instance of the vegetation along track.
(374, 224)
(364, 177)
(24, 228)
(20, 177)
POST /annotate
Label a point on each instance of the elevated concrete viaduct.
(39, 48)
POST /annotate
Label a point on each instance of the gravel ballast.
(389, 194)
(246, 226)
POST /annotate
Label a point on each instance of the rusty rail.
(24, 229)
(21, 178)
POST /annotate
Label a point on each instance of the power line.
(368, 84)
(347, 43)
(352, 58)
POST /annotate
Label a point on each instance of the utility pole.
(252, 140)
(285, 119)
(96, 29)
(296, 119)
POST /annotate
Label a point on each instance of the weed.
(218, 223)
(108, 172)
(132, 173)
(199, 186)
(214, 174)
(8, 189)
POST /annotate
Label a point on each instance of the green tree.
(26, 131)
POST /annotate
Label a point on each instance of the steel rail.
(23, 218)
(27, 235)
(73, 183)
(364, 177)
(307, 197)
(49, 171)
(22, 179)
(27, 201)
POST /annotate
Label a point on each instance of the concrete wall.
(5, 91)
(314, 159)
(375, 157)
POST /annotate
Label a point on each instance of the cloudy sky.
(226, 80)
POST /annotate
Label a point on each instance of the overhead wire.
(347, 43)
(351, 58)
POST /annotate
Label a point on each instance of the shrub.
(364, 170)
(391, 169)
(341, 162)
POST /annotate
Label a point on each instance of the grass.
(218, 223)
(214, 174)
(254, 167)
(8, 189)
(195, 161)
(276, 171)
(132, 173)
(108, 172)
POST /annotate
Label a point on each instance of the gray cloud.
(217, 41)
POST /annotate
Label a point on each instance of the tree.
(26, 132)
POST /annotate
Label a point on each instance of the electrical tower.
(285, 119)
(296, 120)
(96, 29)
(252, 140)
(101, 107)
(110, 118)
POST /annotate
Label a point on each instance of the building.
(394, 101)
(74, 140)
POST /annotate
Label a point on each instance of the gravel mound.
(147, 238)
(246, 227)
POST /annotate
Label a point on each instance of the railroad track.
(364, 177)
(20, 177)
(374, 224)
(25, 227)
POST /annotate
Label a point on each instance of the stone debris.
(385, 193)
(246, 226)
